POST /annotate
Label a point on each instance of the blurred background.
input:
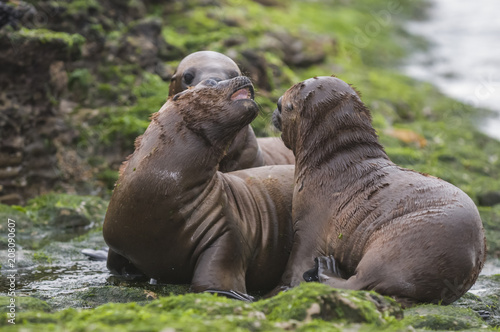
(80, 79)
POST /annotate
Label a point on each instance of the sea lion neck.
(244, 152)
(153, 154)
(339, 136)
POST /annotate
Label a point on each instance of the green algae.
(436, 317)
(207, 312)
(491, 222)
(47, 36)
(53, 208)
(125, 96)
(24, 303)
(41, 257)
(53, 216)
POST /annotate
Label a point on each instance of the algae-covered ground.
(94, 71)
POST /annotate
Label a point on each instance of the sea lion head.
(316, 108)
(217, 111)
(200, 66)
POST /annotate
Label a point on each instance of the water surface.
(464, 60)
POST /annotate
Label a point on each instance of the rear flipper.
(122, 267)
(96, 255)
(232, 295)
(325, 269)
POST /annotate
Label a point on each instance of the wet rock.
(314, 300)
(297, 50)
(487, 307)
(97, 296)
(11, 199)
(255, 66)
(24, 303)
(435, 317)
(145, 45)
(489, 198)
(311, 307)
(12, 13)
(491, 221)
(32, 59)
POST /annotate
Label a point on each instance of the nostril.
(279, 104)
(216, 79)
(211, 82)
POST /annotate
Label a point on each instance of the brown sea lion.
(246, 150)
(177, 219)
(372, 225)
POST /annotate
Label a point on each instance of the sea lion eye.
(188, 78)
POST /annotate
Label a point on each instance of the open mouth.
(245, 92)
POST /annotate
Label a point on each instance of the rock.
(489, 198)
(96, 296)
(254, 65)
(307, 305)
(435, 317)
(315, 300)
(34, 70)
(11, 199)
(297, 50)
(12, 13)
(491, 222)
(24, 303)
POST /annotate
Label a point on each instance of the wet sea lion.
(246, 151)
(371, 224)
(174, 217)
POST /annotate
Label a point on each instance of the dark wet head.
(200, 66)
(216, 111)
(315, 104)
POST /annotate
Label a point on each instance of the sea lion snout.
(276, 119)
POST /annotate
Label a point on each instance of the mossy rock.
(66, 211)
(487, 306)
(18, 215)
(315, 306)
(24, 303)
(38, 47)
(491, 222)
(53, 216)
(97, 296)
(315, 300)
(436, 317)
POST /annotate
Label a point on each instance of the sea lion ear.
(178, 95)
(171, 88)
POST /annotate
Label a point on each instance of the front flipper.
(232, 295)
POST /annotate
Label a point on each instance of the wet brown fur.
(175, 218)
(246, 150)
(404, 234)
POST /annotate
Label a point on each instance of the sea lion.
(246, 150)
(177, 219)
(371, 224)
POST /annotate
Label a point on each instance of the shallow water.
(464, 60)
